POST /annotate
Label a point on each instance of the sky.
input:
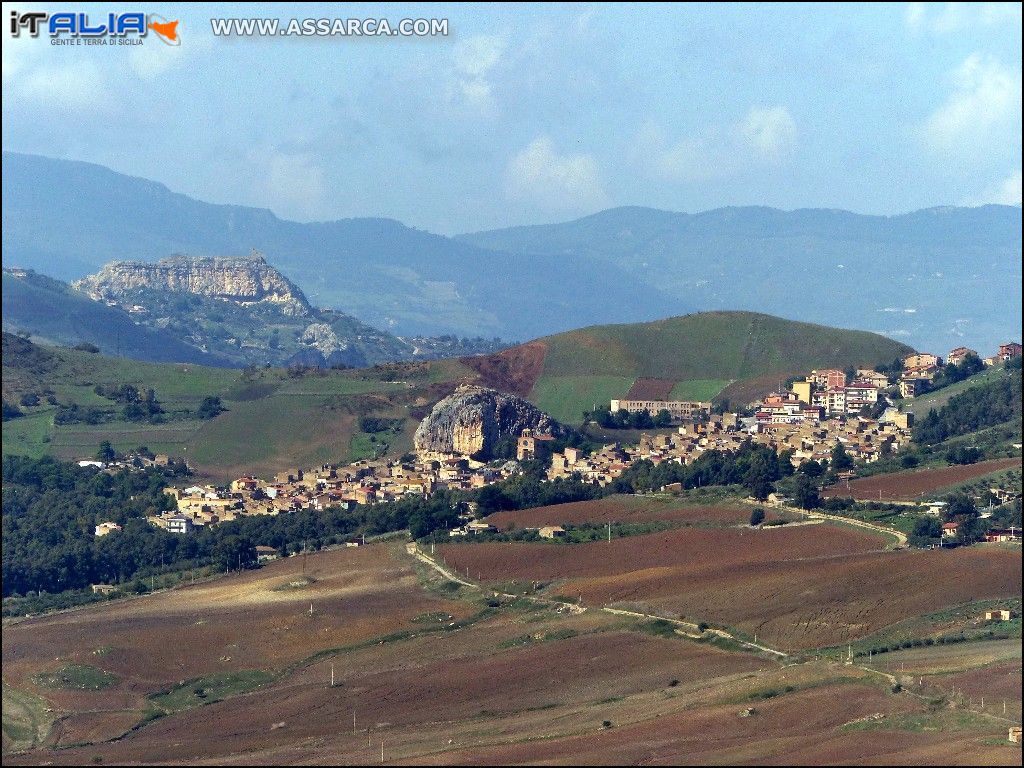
(530, 114)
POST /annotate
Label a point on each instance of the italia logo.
(83, 25)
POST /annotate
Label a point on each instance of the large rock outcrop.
(473, 419)
(243, 280)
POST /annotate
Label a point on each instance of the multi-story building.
(831, 378)
(1009, 351)
(958, 355)
(679, 410)
(921, 360)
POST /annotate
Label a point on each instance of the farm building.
(265, 553)
(104, 528)
(950, 530)
(552, 532)
(998, 615)
(103, 589)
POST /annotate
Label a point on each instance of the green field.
(26, 719)
(273, 420)
(712, 345)
(703, 353)
(207, 690)
(702, 390)
(919, 406)
(566, 397)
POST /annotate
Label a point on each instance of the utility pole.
(332, 675)
(609, 532)
(353, 719)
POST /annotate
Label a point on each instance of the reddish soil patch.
(906, 486)
(650, 389)
(621, 509)
(304, 711)
(513, 370)
(739, 393)
(995, 682)
(803, 587)
(802, 728)
(89, 727)
(238, 622)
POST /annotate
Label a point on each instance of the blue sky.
(536, 114)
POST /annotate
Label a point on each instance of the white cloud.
(985, 105)
(771, 131)
(764, 136)
(474, 58)
(945, 18)
(540, 175)
(49, 77)
(1005, 192)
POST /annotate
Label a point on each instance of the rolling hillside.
(735, 354)
(273, 420)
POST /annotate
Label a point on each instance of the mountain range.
(932, 279)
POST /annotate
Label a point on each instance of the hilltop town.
(818, 411)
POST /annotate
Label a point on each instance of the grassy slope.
(703, 352)
(273, 420)
(920, 406)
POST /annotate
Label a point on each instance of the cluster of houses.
(326, 486)
(813, 438)
(809, 419)
(920, 369)
(130, 461)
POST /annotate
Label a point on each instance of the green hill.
(274, 418)
(729, 354)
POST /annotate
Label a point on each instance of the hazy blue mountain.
(934, 278)
(67, 219)
(53, 311)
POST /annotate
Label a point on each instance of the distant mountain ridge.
(67, 219)
(221, 311)
(928, 277)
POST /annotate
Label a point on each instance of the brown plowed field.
(796, 588)
(513, 370)
(804, 728)
(996, 682)
(423, 693)
(238, 622)
(907, 486)
(623, 509)
(650, 389)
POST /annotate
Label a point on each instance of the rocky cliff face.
(472, 420)
(243, 280)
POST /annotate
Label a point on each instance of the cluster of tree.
(955, 372)
(374, 424)
(893, 370)
(73, 413)
(138, 406)
(11, 411)
(964, 454)
(755, 467)
(982, 406)
(210, 407)
(623, 419)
